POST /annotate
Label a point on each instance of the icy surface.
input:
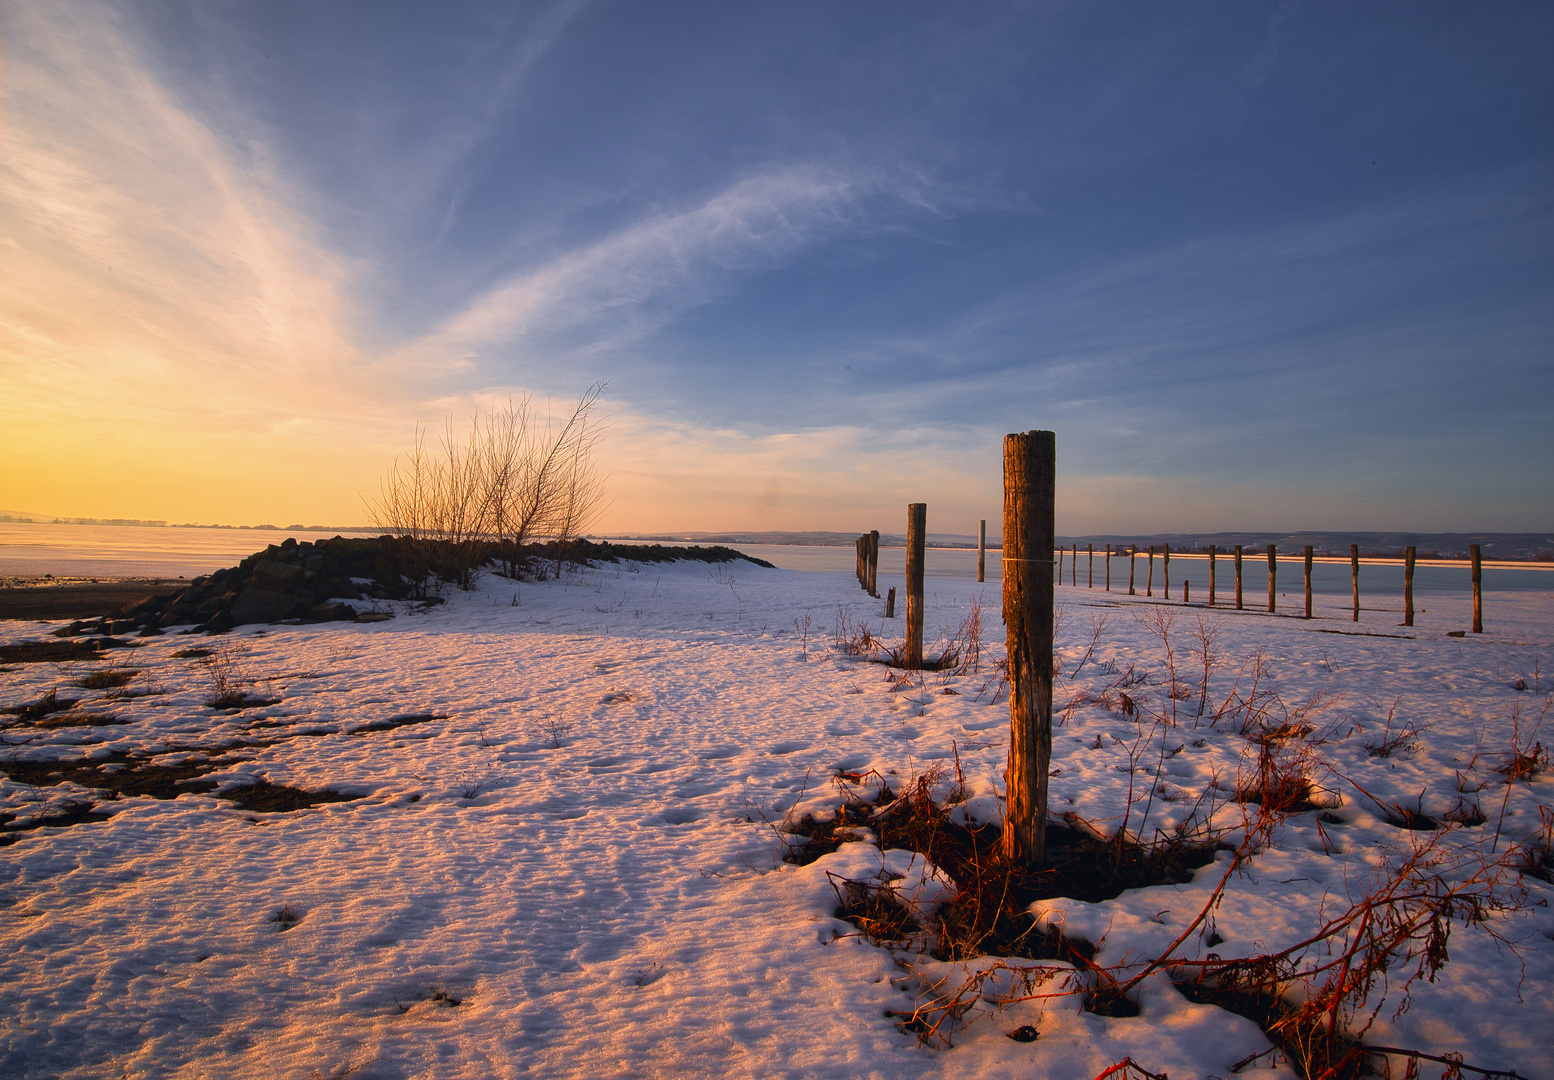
(576, 848)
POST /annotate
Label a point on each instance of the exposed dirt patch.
(120, 774)
(71, 813)
(50, 702)
(108, 679)
(58, 652)
(397, 722)
(79, 719)
(72, 600)
(264, 797)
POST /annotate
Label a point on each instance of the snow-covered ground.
(577, 850)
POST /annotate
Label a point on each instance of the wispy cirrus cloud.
(629, 281)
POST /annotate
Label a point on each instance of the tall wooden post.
(1478, 589)
(1273, 575)
(1060, 566)
(1073, 567)
(917, 543)
(1108, 568)
(1149, 580)
(1090, 565)
(982, 550)
(1308, 581)
(1354, 577)
(1133, 550)
(1211, 575)
(1165, 571)
(1238, 577)
(1408, 586)
(1029, 484)
(874, 562)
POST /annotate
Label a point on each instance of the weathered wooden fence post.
(1211, 575)
(1059, 553)
(1186, 590)
(982, 550)
(1108, 568)
(1238, 577)
(1133, 550)
(1165, 571)
(1478, 589)
(1029, 527)
(858, 559)
(1408, 586)
(1149, 579)
(890, 603)
(1273, 575)
(1090, 565)
(1073, 567)
(1354, 577)
(917, 542)
(874, 562)
(1308, 581)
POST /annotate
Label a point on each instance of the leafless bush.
(1391, 740)
(512, 479)
(554, 730)
(1317, 998)
(231, 677)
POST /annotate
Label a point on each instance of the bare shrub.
(1317, 998)
(512, 479)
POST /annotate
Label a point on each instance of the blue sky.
(1260, 265)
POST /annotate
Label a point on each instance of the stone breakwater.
(310, 581)
(337, 579)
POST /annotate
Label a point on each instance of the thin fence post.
(1090, 565)
(1478, 589)
(1238, 577)
(1029, 482)
(1073, 567)
(1108, 568)
(1273, 576)
(1308, 581)
(890, 603)
(1165, 571)
(982, 550)
(1408, 586)
(1059, 563)
(1354, 577)
(1133, 550)
(1211, 575)
(917, 540)
(1149, 581)
(1186, 590)
(874, 562)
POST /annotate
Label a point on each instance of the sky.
(1260, 266)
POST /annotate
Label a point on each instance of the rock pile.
(310, 581)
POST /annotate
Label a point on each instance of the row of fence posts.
(1132, 553)
(1029, 542)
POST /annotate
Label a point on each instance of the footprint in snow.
(790, 747)
(615, 697)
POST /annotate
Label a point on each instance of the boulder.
(254, 604)
(274, 576)
(332, 613)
